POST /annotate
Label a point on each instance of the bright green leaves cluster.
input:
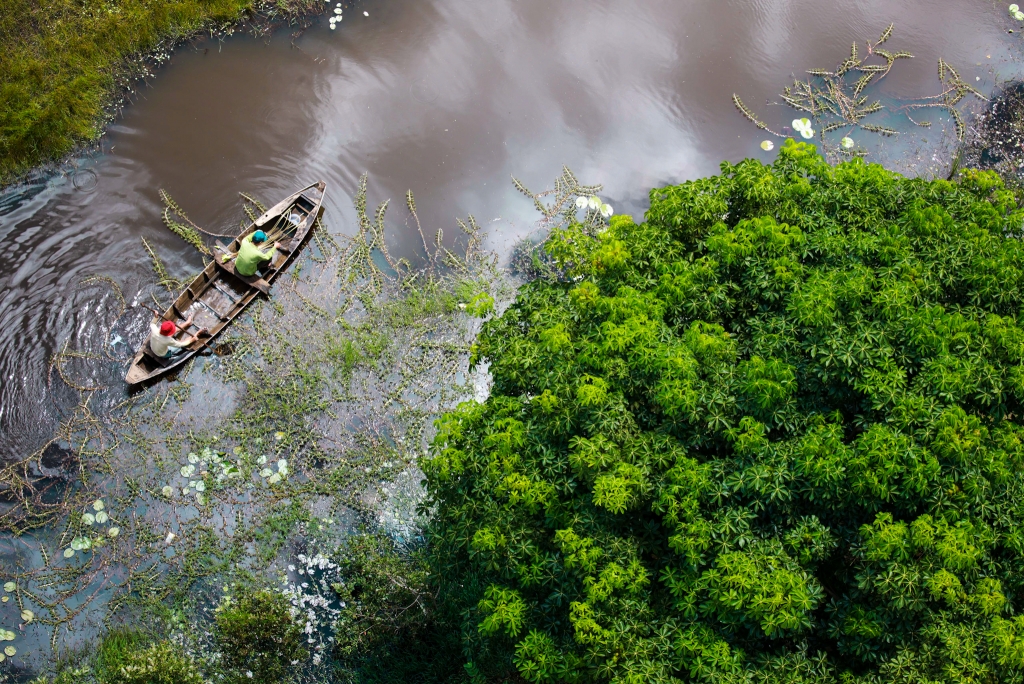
(772, 433)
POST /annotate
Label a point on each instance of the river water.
(444, 97)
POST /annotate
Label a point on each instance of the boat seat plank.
(254, 281)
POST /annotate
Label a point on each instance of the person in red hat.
(162, 337)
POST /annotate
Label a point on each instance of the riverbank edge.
(260, 18)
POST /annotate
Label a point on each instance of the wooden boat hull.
(218, 295)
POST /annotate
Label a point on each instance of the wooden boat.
(219, 294)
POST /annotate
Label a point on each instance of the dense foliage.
(159, 663)
(258, 639)
(772, 434)
(388, 631)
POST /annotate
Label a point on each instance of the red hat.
(167, 328)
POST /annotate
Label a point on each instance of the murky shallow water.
(448, 98)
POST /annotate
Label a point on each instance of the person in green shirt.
(250, 257)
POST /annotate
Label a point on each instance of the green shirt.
(250, 257)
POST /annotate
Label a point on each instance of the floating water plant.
(102, 517)
(803, 127)
(27, 616)
(846, 142)
(10, 586)
(767, 145)
(834, 99)
(88, 519)
(98, 505)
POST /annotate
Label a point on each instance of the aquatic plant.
(834, 99)
(159, 663)
(772, 433)
(335, 378)
(258, 637)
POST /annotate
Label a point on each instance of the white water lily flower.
(102, 517)
(193, 458)
(606, 210)
(581, 202)
(68, 553)
(846, 142)
(114, 531)
(167, 491)
(594, 202)
(767, 145)
(97, 505)
(88, 519)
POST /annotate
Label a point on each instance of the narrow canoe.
(218, 295)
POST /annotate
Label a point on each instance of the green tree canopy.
(772, 434)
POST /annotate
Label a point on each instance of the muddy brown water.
(444, 97)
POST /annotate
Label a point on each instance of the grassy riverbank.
(62, 63)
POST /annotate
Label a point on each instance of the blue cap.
(259, 236)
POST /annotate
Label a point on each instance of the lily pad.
(167, 491)
(68, 553)
(846, 142)
(193, 458)
(200, 499)
(10, 586)
(767, 145)
(114, 531)
(266, 472)
(274, 479)
(102, 517)
(81, 543)
(27, 615)
(88, 519)
(97, 505)
(282, 466)
(200, 486)
(186, 471)
(10, 651)
(1014, 9)
(5, 598)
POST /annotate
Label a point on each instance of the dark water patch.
(996, 138)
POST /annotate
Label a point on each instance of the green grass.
(60, 63)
